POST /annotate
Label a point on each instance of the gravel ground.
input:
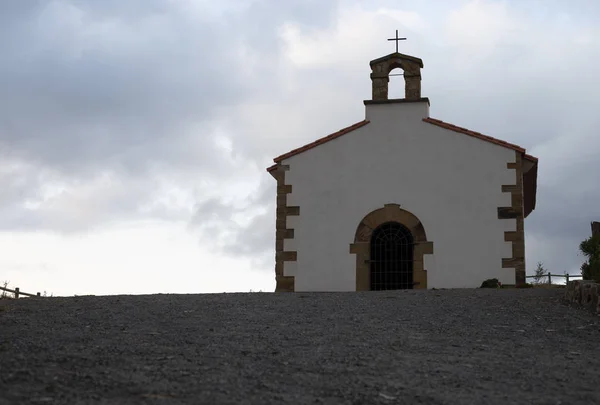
(508, 346)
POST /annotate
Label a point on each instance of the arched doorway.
(391, 258)
(417, 247)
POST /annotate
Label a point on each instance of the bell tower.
(380, 74)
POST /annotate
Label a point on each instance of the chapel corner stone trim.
(380, 75)
(516, 212)
(283, 283)
(362, 244)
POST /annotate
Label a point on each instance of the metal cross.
(396, 39)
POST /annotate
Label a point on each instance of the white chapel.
(401, 200)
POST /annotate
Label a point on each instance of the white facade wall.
(450, 181)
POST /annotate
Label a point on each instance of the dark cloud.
(88, 81)
(87, 93)
(137, 89)
(143, 91)
(253, 239)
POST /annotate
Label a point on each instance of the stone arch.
(362, 246)
(393, 64)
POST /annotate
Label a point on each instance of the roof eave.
(319, 141)
(530, 187)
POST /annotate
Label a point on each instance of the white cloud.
(141, 130)
(479, 25)
(358, 32)
(142, 258)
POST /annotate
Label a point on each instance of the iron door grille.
(391, 257)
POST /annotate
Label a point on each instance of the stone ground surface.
(507, 346)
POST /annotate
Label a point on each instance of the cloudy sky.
(134, 135)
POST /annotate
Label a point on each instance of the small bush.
(490, 283)
(541, 274)
(4, 294)
(590, 248)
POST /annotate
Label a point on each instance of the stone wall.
(584, 294)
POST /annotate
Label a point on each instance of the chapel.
(401, 200)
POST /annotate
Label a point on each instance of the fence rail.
(567, 276)
(18, 292)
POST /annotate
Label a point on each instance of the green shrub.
(590, 248)
(490, 283)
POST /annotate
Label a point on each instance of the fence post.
(567, 278)
(549, 278)
(16, 292)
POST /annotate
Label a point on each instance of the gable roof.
(529, 177)
(433, 121)
(320, 141)
(479, 135)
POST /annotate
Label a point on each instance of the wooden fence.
(17, 292)
(567, 276)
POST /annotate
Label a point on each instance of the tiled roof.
(532, 158)
(478, 135)
(433, 121)
(318, 142)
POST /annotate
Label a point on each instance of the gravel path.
(399, 347)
